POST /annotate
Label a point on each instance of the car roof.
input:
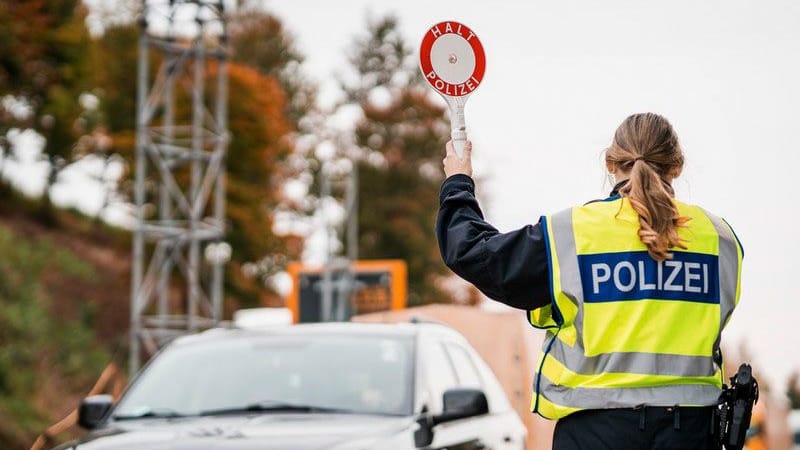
(412, 329)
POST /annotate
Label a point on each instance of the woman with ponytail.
(646, 156)
(633, 292)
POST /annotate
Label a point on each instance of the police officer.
(632, 291)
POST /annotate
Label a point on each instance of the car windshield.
(367, 374)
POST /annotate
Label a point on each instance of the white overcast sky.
(562, 75)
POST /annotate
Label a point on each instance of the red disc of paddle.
(451, 58)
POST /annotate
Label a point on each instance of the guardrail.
(111, 380)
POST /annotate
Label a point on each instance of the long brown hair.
(646, 146)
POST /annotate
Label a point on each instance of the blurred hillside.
(63, 312)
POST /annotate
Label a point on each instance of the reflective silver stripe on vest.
(630, 397)
(575, 360)
(564, 240)
(728, 271)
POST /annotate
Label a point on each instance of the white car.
(342, 386)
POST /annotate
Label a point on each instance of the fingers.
(449, 149)
(453, 164)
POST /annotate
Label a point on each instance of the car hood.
(272, 431)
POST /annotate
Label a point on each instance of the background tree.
(115, 84)
(401, 134)
(45, 61)
(260, 144)
(793, 390)
(260, 40)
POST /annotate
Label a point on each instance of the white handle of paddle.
(458, 127)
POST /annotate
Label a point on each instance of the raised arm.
(508, 267)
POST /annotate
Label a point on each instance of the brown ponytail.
(646, 147)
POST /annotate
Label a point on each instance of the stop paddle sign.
(452, 61)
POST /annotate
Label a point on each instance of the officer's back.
(633, 292)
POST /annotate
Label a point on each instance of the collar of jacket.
(617, 187)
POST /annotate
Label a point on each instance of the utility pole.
(338, 274)
(327, 271)
(181, 206)
(351, 201)
(352, 213)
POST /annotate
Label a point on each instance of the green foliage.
(398, 195)
(259, 40)
(793, 390)
(45, 47)
(115, 83)
(379, 58)
(37, 345)
(45, 60)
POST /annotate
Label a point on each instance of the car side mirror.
(94, 410)
(458, 404)
(461, 404)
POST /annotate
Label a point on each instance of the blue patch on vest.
(611, 277)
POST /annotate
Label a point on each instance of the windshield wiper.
(159, 413)
(274, 406)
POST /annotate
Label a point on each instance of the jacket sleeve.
(509, 267)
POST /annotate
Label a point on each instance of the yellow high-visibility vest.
(624, 330)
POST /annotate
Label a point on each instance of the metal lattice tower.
(181, 141)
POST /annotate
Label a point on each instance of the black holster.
(735, 408)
